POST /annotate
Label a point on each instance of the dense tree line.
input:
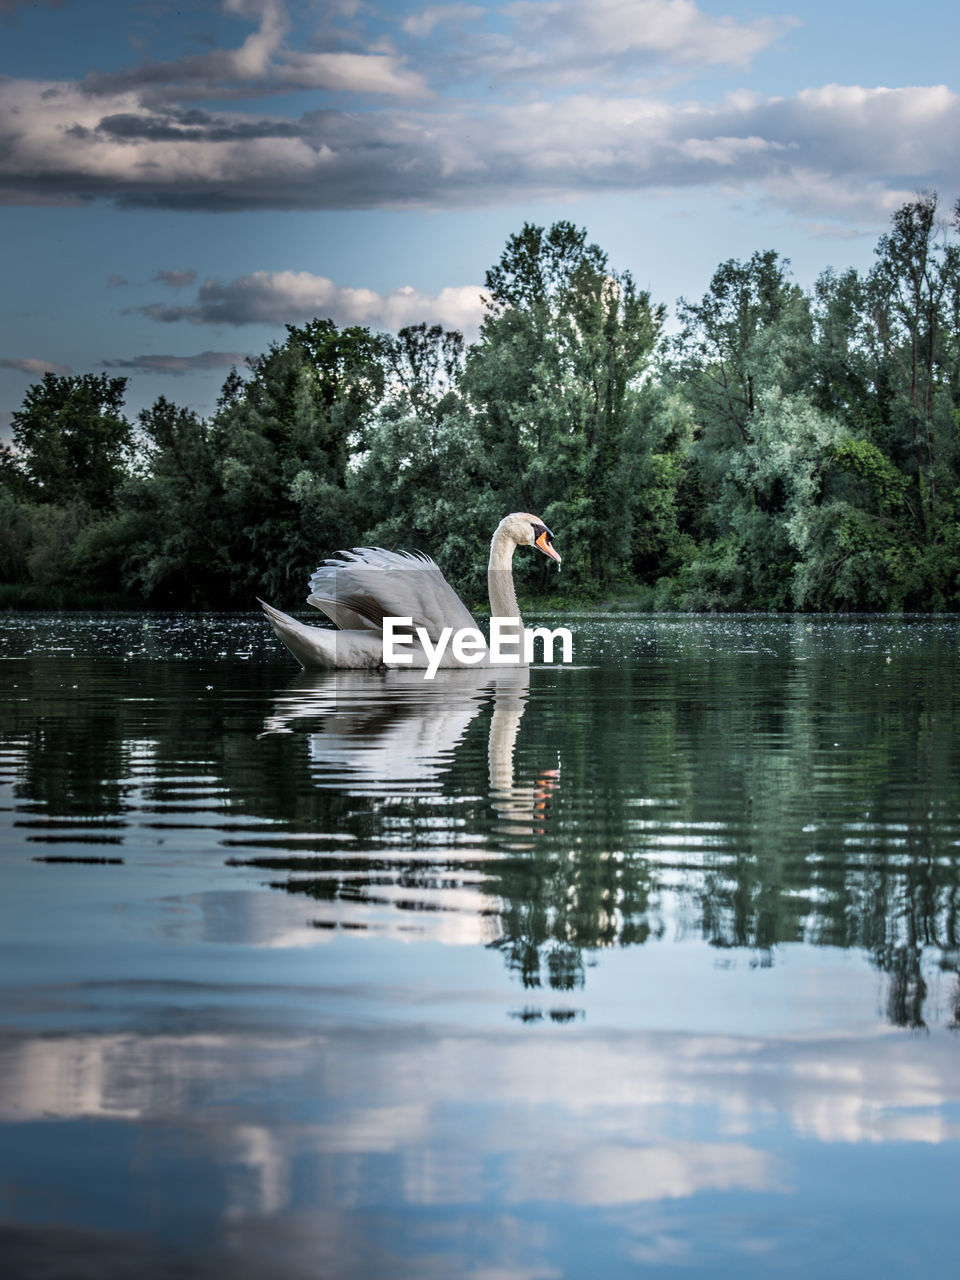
(781, 449)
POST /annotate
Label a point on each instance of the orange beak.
(546, 547)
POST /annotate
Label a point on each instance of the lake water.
(646, 965)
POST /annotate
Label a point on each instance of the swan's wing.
(340, 613)
(359, 588)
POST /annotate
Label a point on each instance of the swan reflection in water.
(395, 732)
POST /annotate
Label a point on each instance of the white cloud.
(424, 22)
(35, 368)
(578, 34)
(293, 297)
(563, 42)
(352, 73)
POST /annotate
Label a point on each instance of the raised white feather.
(359, 588)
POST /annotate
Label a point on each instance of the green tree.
(283, 445)
(60, 542)
(751, 330)
(424, 365)
(555, 379)
(538, 265)
(887, 364)
(742, 360)
(247, 503)
(423, 482)
(179, 536)
(71, 440)
(909, 295)
(668, 504)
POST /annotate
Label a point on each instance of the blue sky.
(178, 181)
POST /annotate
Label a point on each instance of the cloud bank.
(400, 122)
(833, 150)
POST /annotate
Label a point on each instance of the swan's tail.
(324, 649)
(311, 646)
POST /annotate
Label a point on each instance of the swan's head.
(529, 531)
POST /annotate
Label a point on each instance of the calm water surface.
(643, 966)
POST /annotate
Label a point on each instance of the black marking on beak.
(543, 540)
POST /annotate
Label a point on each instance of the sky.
(178, 181)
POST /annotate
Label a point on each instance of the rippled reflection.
(756, 784)
(718, 803)
(649, 962)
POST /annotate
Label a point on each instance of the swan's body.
(359, 588)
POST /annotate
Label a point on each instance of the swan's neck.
(503, 596)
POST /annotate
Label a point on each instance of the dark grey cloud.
(178, 366)
(165, 313)
(189, 126)
(176, 279)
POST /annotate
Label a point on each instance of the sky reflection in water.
(644, 965)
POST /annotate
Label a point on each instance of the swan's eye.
(541, 531)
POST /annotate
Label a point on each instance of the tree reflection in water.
(753, 818)
(757, 784)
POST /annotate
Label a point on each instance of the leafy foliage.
(782, 450)
(555, 382)
(72, 440)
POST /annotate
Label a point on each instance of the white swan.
(359, 588)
